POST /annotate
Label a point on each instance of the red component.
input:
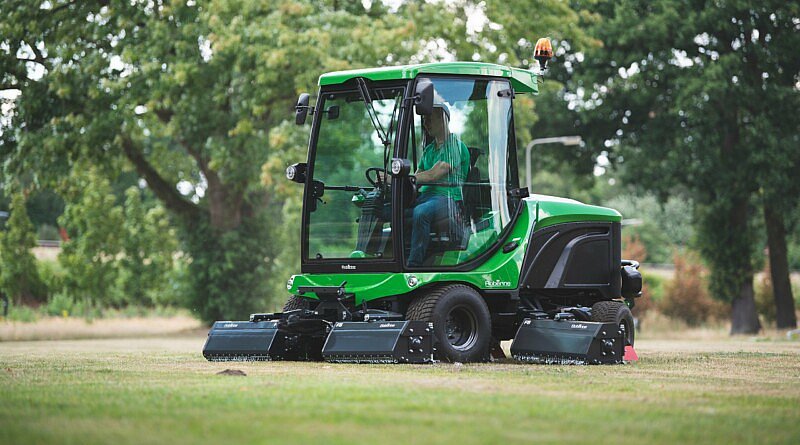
(63, 233)
(630, 354)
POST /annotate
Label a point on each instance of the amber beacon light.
(542, 52)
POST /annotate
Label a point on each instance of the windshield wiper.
(373, 116)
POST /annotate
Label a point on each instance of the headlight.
(290, 281)
(400, 167)
(397, 166)
(296, 172)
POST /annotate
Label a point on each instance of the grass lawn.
(161, 390)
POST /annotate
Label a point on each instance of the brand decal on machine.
(386, 325)
(578, 326)
(348, 267)
(230, 325)
(497, 283)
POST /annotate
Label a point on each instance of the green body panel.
(499, 272)
(554, 210)
(523, 81)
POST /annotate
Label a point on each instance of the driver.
(442, 170)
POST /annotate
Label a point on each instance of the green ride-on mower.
(418, 243)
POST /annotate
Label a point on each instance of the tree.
(184, 92)
(19, 277)
(692, 93)
(148, 245)
(94, 224)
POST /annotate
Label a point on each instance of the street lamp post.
(563, 140)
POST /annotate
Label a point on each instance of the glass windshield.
(463, 160)
(350, 204)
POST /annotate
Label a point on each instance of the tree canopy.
(697, 98)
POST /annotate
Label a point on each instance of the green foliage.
(117, 255)
(228, 269)
(665, 226)
(185, 92)
(61, 305)
(19, 277)
(148, 246)
(52, 275)
(655, 285)
(94, 224)
(697, 98)
(21, 312)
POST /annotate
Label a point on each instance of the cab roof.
(523, 81)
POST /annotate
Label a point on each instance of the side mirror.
(301, 109)
(424, 97)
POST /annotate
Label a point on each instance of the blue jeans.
(427, 209)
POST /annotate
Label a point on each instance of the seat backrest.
(472, 192)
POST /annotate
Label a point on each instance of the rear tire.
(617, 313)
(462, 326)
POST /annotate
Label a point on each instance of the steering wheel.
(375, 182)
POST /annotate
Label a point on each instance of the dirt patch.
(234, 372)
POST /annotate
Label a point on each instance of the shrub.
(652, 292)
(52, 275)
(19, 277)
(60, 304)
(633, 248)
(94, 223)
(148, 246)
(25, 314)
(686, 297)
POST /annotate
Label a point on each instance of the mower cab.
(419, 243)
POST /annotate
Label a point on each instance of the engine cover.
(568, 342)
(380, 342)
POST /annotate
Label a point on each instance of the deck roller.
(380, 342)
(568, 342)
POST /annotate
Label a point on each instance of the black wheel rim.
(461, 328)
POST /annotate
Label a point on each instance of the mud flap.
(568, 342)
(380, 342)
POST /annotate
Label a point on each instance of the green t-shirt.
(455, 153)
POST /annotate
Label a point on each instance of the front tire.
(617, 313)
(462, 326)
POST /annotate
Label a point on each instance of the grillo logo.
(230, 325)
(578, 326)
(348, 267)
(497, 283)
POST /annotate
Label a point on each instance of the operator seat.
(454, 233)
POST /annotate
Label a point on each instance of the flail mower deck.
(418, 242)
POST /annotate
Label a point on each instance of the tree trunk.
(224, 207)
(785, 317)
(744, 319)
